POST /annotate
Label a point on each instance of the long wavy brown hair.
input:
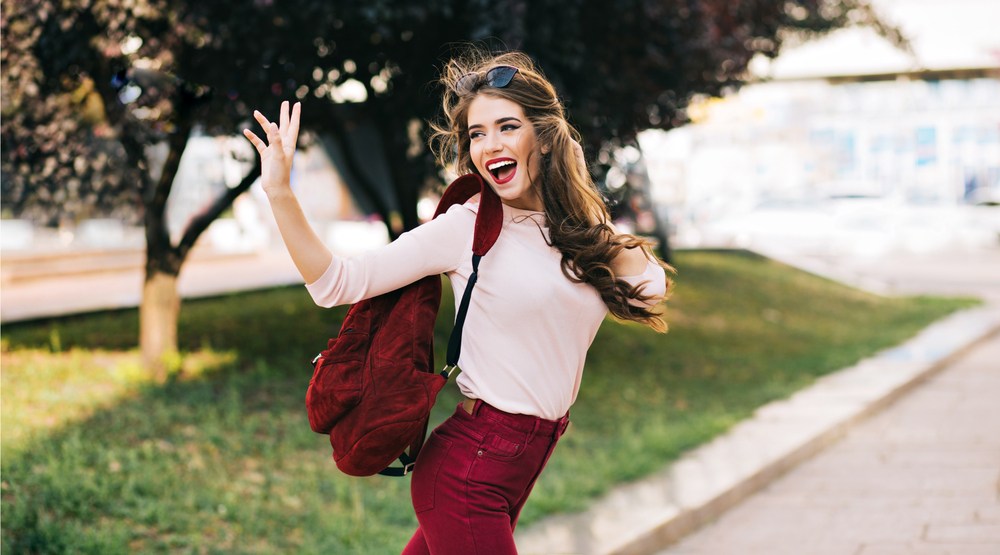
(577, 217)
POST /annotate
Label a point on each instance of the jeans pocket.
(504, 447)
(432, 456)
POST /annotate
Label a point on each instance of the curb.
(648, 515)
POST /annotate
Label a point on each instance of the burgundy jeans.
(472, 478)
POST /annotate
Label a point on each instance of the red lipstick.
(496, 166)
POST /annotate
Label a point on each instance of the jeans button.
(479, 453)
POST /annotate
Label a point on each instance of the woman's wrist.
(279, 192)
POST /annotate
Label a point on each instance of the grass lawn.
(96, 459)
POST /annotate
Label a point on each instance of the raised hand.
(277, 153)
(307, 250)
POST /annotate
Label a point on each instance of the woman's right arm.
(308, 252)
(433, 248)
(430, 249)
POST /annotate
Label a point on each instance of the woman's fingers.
(274, 135)
(277, 134)
(261, 119)
(292, 129)
(255, 140)
(283, 116)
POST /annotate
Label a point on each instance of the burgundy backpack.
(372, 389)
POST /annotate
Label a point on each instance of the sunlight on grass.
(41, 390)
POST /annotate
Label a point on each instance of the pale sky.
(946, 34)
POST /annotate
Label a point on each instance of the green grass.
(96, 459)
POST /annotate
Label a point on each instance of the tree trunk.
(158, 314)
(407, 174)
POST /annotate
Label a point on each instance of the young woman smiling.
(557, 269)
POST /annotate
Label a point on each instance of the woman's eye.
(508, 127)
(475, 134)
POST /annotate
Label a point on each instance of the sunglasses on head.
(497, 78)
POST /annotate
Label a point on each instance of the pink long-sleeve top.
(528, 327)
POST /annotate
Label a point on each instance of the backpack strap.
(489, 221)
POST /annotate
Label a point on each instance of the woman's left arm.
(633, 267)
(629, 262)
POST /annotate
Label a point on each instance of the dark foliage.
(72, 147)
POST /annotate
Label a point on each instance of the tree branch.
(338, 130)
(200, 222)
(177, 142)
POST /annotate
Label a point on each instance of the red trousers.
(472, 478)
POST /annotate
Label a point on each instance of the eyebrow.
(497, 122)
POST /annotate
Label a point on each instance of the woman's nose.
(493, 144)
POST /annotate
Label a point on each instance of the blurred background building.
(847, 144)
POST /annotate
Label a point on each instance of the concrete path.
(969, 272)
(90, 285)
(922, 477)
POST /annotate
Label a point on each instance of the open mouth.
(502, 169)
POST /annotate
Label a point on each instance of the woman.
(557, 269)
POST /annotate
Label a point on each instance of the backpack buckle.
(408, 468)
(319, 356)
(448, 369)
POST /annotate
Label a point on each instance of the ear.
(546, 149)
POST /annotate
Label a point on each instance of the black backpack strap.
(407, 461)
(455, 341)
(489, 221)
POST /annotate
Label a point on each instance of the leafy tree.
(91, 85)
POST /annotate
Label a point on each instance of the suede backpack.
(372, 389)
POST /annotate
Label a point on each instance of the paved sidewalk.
(647, 515)
(974, 272)
(921, 477)
(121, 287)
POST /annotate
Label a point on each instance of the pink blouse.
(528, 327)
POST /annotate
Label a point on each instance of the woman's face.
(504, 148)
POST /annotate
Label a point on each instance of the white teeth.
(500, 164)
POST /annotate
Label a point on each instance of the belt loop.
(563, 424)
(476, 406)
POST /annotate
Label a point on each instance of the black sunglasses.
(497, 77)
